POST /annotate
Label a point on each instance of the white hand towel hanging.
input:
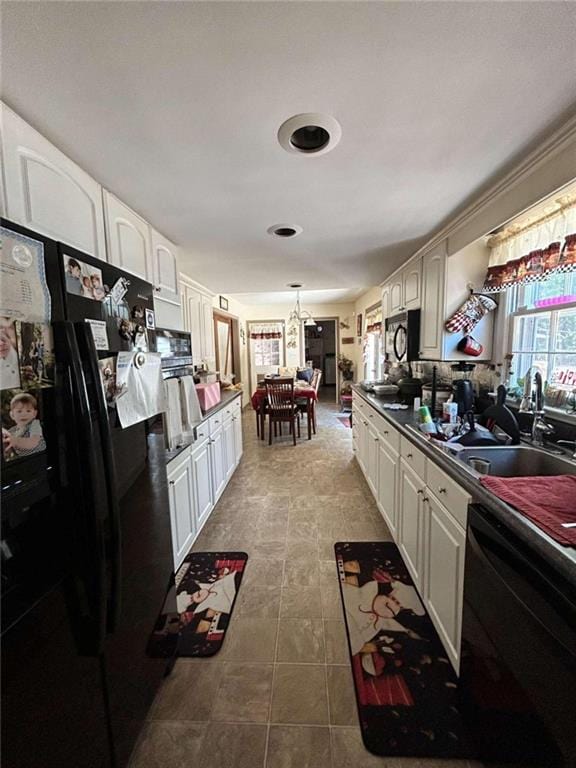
(173, 413)
(191, 411)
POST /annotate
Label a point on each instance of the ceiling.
(328, 296)
(175, 107)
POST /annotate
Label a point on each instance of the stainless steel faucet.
(539, 426)
(568, 442)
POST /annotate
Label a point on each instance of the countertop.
(227, 396)
(559, 557)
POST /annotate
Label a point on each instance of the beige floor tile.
(301, 573)
(328, 573)
(301, 531)
(332, 603)
(232, 746)
(341, 697)
(336, 642)
(294, 746)
(348, 751)
(168, 744)
(258, 602)
(300, 603)
(326, 549)
(250, 640)
(189, 691)
(301, 641)
(301, 550)
(299, 694)
(271, 549)
(244, 693)
(263, 572)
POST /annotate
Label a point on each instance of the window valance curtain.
(535, 251)
(269, 331)
(374, 320)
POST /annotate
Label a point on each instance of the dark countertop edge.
(562, 559)
(227, 397)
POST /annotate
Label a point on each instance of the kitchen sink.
(515, 461)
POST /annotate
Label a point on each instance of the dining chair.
(307, 406)
(281, 406)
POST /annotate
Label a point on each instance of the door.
(182, 513)
(165, 269)
(266, 349)
(432, 316)
(387, 486)
(128, 236)
(224, 341)
(411, 278)
(396, 294)
(410, 522)
(47, 192)
(202, 481)
(445, 543)
(208, 352)
(218, 463)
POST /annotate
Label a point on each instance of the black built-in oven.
(518, 668)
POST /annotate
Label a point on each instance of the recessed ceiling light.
(310, 134)
(284, 230)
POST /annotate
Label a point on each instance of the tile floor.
(279, 694)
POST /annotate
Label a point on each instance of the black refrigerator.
(86, 542)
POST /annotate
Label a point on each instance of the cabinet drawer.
(216, 421)
(452, 496)
(413, 457)
(388, 434)
(202, 432)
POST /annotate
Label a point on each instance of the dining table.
(258, 401)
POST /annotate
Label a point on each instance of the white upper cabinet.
(411, 283)
(432, 317)
(128, 237)
(396, 294)
(47, 192)
(165, 268)
(209, 352)
(385, 302)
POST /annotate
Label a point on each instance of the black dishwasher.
(518, 668)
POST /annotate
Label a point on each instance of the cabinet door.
(362, 442)
(165, 269)
(194, 317)
(372, 459)
(182, 512)
(410, 522)
(128, 236)
(47, 192)
(412, 279)
(387, 486)
(396, 294)
(432, 316)
(218, 461)
(444, 588)
(208, 352)
(238, 447)
(202, 479)
(229, 447)
(385, 302)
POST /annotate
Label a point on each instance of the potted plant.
(345, 366)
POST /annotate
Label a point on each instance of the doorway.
(321, 351)
(226, 342)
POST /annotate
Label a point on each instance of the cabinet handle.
(441, 490)
(376, 440)
(409, 456)
(370, 415)
(171, 482)
(385, 431)
(425, 498)
(420, 491)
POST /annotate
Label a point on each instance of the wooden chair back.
(280, 395)
(316, 378)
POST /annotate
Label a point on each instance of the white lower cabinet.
(410, 531)
(202, 480)
(198, 476)
(444, 581)
(430, 534)
(182, 517)
(388, 485)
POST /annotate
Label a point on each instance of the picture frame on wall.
(224, 303)
(359, 324)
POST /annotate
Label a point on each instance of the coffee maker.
(462, 387)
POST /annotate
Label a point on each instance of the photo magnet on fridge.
(9, 362)
(150, 320)
(83, 279)
(22, 431)
(36, 351)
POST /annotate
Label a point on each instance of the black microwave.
(402, 337)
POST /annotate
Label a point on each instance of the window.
(543, 335)
(266, 351)
(373, 344)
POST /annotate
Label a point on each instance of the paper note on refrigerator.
(139, 378)
(24, 293)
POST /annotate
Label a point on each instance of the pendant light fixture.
(299, 315)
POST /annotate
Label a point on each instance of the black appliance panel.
(518, 670)
(402, 337)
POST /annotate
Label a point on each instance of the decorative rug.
(406, 689)
(197, 608)
(345, 419)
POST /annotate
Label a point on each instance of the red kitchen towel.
(548, 501)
